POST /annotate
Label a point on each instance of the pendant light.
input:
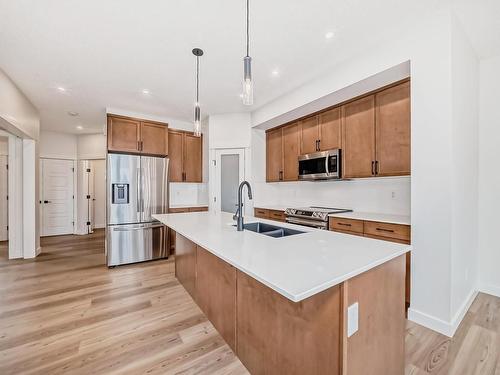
(197, 113)
(247, 69)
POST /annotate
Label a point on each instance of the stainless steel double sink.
(270, 230)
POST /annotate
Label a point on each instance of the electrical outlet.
(393, 194)
(352, 319)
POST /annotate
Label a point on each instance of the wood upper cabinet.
(330, 129)
(309, 133)
(123, 134)
(393, 131)
(137, 136)
(290, 152)
(154, 138)
(358, 155)
(185, 153)
(274, 155)
(192, 158)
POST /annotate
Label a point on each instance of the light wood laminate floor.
(66, 313)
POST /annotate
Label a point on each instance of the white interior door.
(4, 203)
(229, 172)
(99, 194)
(56, 196)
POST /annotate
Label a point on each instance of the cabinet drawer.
(177, 210)
(277, 215)
(198, 209)
(346, 225)
(387, 230)
(261, 212)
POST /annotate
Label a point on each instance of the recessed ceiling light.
(61, 89)
(329, 35)
(73, 113)
(146, 92)
(79, 127)
(275, 72)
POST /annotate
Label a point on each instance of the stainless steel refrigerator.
(137, 188)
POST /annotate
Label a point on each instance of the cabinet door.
(274, 155)
(192, 158)
(290, 153)
(393, 131)
(123, 134)
(216, 293)
(309, 131)
(154, 138)
(185, 264)
(175, 150)
(359, 137)
(330, 129)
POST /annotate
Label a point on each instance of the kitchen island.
(318, 302)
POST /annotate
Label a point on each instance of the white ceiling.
(106, 52)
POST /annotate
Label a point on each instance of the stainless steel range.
(316, 217)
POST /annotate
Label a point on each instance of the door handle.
(46, 201)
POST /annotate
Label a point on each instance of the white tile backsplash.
(188, 194)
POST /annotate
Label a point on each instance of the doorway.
(56, 196)
(229, 172)
(4, 188)
(91, 195)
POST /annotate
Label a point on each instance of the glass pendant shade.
(197, 121)
(247, 81)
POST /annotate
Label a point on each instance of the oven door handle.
(307, 223)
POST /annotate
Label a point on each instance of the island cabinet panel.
(278, 336)
(393, 131)
(330, 127)
(274, 155)
(291, 153)
(358, 155)
(185, 264)
(378, 345)
(216, 293)
(349, 226)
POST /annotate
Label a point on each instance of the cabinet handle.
(138, 145)
(373, 167)
(319, 144)
(280, 177)
(345, 224)
(376, 166)
(385, 230)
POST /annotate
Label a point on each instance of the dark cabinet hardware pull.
(373, 167)
(319, 144)
(376, 166)
(345, 224)
(385, 230)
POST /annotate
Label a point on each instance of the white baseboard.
(494, 290)
(439, 325)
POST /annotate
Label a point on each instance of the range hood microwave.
(323, 165)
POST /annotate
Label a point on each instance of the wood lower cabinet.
(216, 293)
(131, 135)
(399, 233)
(176, 210)
(271, 334)
(265, 213)
(185, 156)
(274, 155)
(393, 131)
(278, 336)
(358, 154)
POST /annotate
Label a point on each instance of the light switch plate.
(352, 319)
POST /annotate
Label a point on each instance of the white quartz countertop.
(297, 266)
(371, 216)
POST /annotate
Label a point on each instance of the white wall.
(428, 46)
(91, 146)
(465, 118)
(56, 145)
(4, 146)
(489, 178)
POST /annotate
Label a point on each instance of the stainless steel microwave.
(324, 165)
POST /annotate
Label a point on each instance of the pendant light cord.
(197, 79)
(248, 23)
